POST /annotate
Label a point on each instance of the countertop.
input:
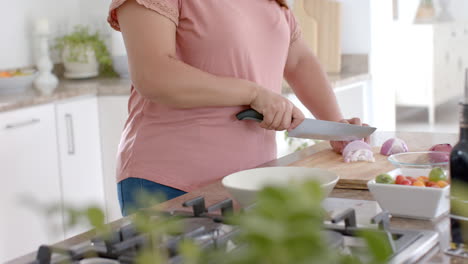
(116, 86)
(66, 89)
(215, 192)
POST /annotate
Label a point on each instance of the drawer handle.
(23, 123)
(70, 135)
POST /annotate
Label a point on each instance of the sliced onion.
(393, 146)
(358, 151)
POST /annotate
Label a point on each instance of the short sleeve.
(295, 29)
(167, 8)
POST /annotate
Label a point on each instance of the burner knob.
(348, 216)
(198, 205)
(226, 207)
(382, 219)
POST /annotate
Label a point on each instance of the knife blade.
(318, 129)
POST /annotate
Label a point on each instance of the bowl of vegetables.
(422, 193)
(16, 80)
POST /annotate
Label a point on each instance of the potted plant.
(84, 55)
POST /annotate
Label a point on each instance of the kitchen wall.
(17, 19)
(63, 14)
(355, 25)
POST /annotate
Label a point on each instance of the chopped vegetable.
(358, 151)
(384, 178)
(393, 146)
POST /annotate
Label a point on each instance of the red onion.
(443, 154)
(393, 146)
(441, 147)
(358, 151)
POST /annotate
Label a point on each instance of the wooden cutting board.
(354, 175)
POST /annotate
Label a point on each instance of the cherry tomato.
(442, 184)
(406, 182)
(419, 183)
(399, 179)
(423, 178)
(411, 179)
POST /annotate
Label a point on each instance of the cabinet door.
(29, 172)
(113, 113)
(80, 157)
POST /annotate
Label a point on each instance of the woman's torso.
(189, 148)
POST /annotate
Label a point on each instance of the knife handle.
(250, 114)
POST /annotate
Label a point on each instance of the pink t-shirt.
(190, 148)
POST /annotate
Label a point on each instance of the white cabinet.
(80, 156)
(113, 113)
(29, 170)
(430, 60)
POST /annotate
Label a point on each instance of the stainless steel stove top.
(208, 229)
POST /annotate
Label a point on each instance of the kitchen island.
(215, 192)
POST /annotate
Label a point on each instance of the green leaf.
(378, 244)
(96, 217)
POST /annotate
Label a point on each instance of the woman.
(194, 65)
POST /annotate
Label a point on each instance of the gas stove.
(206, 226)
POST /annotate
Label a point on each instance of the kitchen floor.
(416, 118)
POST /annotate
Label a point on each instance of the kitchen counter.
(66, 89)
(215, 192)
(116, 86)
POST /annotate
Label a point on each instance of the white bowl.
(16, 83)
(411, 201)
(244, 185)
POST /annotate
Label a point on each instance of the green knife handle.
(250, 114)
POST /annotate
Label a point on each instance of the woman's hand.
(338, 146)
(278, 112)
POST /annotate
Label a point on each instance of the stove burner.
(207, 228)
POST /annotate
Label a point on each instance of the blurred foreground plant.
(285, 226)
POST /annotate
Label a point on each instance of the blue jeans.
(135, 193)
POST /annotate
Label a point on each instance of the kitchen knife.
(318, 129)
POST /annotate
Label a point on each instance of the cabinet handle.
(70, 135)
(23, 123)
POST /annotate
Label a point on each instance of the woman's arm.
(308, 80)
(157, 74)
(306, 77)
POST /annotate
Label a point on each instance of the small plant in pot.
(84, 54)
